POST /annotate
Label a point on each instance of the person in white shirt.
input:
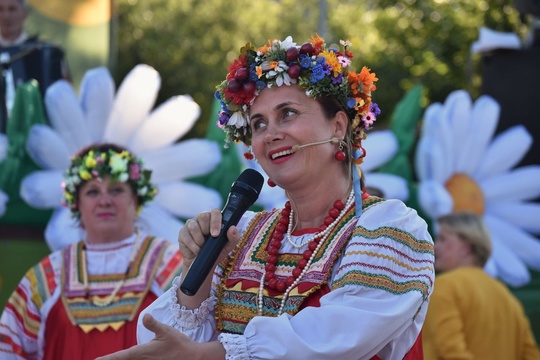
(24, 57)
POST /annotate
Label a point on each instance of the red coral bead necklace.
(284, 228)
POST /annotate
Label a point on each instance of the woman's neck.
(311, 207)
(107, 237)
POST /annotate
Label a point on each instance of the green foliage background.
(406, 42)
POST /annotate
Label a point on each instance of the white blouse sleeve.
(198, 324)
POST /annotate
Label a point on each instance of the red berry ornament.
(294, 71)
(234, 86)
(241, 74)
(291, 53)
(307, 48)
(249, 87)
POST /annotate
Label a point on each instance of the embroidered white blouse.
(380, 313)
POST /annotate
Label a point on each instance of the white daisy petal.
(444, 138)
(42, 189)
(422, 163)
(498, 159)
(134, 100)
(185, 159)
(430, 124)
(62, 230)
(519, 184)
(66, 115)
(187, 200)
(457, 109)
(430, 162)
(491, 267)
(522, 215)
(510, 268)
(439, 137)
(154, 220)
(381, 146)
(166, 124)
(287, 43)
(482, 123)
(434, 199)
(392, 186)
(524, 245)
(97, 87)
(46, 148)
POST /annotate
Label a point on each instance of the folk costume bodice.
(239, 294)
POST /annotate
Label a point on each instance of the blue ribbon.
(356, 172)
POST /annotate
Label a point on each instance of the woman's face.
(284, 116)
(451, 251)
(108, 209)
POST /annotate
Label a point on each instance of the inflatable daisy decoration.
(3, 154)
(462, 166)
(125, 117)
(380, 146)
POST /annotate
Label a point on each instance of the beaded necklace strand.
(104, 302)
(314, 244)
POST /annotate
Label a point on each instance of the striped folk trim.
(405, 261)
(171, 270)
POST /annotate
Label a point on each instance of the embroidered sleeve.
(21, 318)
(235, 346)
(171, 267)
(390, 257)
(189, 319)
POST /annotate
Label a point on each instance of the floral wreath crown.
(120, 166)
(318, 70)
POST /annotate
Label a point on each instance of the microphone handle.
(205, 261)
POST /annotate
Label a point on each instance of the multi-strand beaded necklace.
(314, 243)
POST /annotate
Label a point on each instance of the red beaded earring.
(271, 183)
(340, 154)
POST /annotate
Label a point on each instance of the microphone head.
(249, 183)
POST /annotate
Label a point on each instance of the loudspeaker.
(513, 79)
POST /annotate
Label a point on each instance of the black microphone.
(244, 192)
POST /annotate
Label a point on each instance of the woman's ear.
(466, 248)
(341, 122)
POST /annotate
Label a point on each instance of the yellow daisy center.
(75, 12)
(466, 194)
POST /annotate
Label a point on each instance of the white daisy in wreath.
(125, 117)
(462, 166)
(3, 154)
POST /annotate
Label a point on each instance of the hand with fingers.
(191, 239)
(168, 344)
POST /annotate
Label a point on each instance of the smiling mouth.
(281, 154)
(105, 215)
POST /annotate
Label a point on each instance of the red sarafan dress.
(83, 301)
